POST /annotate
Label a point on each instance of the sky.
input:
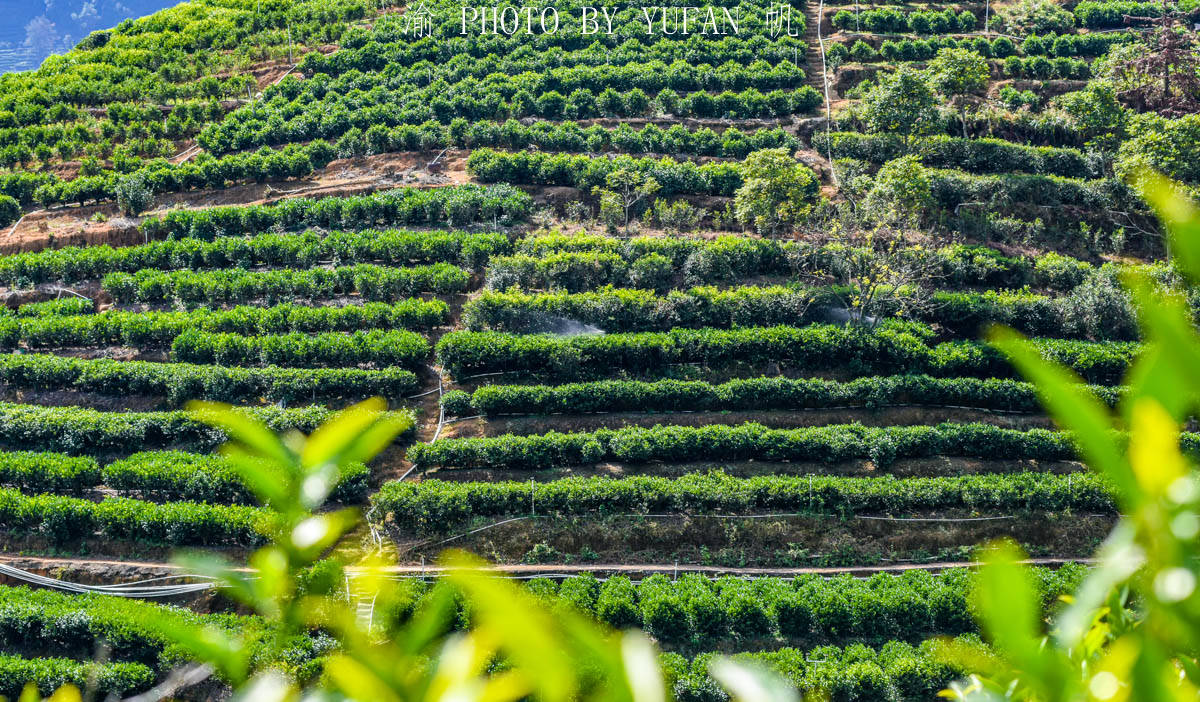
(31, 30)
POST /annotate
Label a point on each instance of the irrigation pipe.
(61, 290)
(186, 154)
(931, 565)
(285, 75)
(179, 678)
(22, 219)
(937, 519)
(441, 419)
(375, 536)
(473, 531)
(138, 589)
(441, 408)
(825, 84)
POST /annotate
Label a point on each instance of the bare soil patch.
(71, 225)
(936, 466)
(25, 544)
(71, 398)
(780, 419)
(806, 541)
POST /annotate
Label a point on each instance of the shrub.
(63, 306)
(133, 194)
(79, 430)
(457, 403)
(178, 475)
(776, 192)
(180, 382)
(971, 155)
(500, 204)
(890, 348)
(73, 625)
(10, 210)
(1037, 17)
(334, 350)
(587, 173)
(159, 329)
(863, 52)
(67, 519)
(48, 472)
(901, 193)
(747, 613)
(1111, 13)
(662, 611)
(371, 282)
(680, 444)
(49, 674)
(435, 506)
(615, 604)
(751, 393)
(392, 247)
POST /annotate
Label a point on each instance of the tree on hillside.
(901, 193)
(1163, 74)
(956, 74)
(777, 191)
(902, 103)
(10, 210)
(133, 195)
(1096, 114)
(626, 188)
(1169, 146)
(883, 273)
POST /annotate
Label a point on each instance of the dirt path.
(812, 38)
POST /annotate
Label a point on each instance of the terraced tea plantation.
(687, 321)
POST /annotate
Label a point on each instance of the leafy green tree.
(777, 191)
(956, 74)
(1170, 146)
(10, 210)
(1097, 114)
(902, 193)
(863, 52)
(902, 103)
(1132, 630)
(626, 188)
(133, 194)
(879, 273)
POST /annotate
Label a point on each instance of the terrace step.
(815, 74)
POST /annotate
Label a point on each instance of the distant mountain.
(31, 30)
